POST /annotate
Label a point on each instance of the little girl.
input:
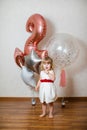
(46, 87)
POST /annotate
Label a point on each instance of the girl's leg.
(44, 107)
(51, 110)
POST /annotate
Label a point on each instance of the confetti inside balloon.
(63, 48)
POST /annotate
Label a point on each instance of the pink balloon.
(19, 57)
(37, 25)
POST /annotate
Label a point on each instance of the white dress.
(47, 91)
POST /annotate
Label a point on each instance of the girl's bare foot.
(43, 114)
(50, 115)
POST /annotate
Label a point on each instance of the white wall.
(62, 16)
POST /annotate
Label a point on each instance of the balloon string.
(32, 92)
(33, 98)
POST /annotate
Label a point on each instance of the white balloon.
(28, 76)
(63, 49)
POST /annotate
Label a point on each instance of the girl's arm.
(38, 85)
(51, 75)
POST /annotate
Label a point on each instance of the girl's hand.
(46, 71)
(51, 75)
(36, 88)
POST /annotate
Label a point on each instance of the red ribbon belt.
(46, 80)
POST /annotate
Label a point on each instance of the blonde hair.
(50, 61)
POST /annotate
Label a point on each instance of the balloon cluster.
(62, 48)
(30, 59)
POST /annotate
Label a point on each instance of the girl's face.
(46, 65)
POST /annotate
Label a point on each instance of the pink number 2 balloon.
(37, 25)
